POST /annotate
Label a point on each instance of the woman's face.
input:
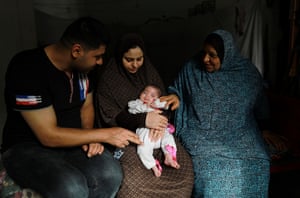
(133, 59)
(211, 59)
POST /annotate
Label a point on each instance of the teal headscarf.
(217, 110)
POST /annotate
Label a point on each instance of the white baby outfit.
(145, 151)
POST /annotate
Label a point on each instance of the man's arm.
(88, 113)
(87, 122)
(44, 125)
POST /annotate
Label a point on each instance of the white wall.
(17, 33)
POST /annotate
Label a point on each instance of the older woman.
(121, 80)
(221, 98)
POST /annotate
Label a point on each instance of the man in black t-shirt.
(49, 143)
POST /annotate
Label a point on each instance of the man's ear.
(77, 50)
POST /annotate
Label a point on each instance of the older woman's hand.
(172, 101)
(277, 141)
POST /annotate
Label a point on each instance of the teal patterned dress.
(217, 124)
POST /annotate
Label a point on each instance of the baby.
(149, 101)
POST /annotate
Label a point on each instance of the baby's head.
(150, 94)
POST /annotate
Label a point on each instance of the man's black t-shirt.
(33, 82)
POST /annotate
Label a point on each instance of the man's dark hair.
(86, 31)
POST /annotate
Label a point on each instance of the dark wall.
(173, 32)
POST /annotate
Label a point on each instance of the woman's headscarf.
(232, 59)
(128, 41)
(216, 41)
(116, 86)
(236, 79)
(218, 109)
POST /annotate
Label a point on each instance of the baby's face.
(149, 95)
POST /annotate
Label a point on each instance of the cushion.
(9, 189)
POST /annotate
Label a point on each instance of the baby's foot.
(170, 157)
(157, 169)
(156, 172)
(170, 161)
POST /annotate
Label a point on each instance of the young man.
(49, 144)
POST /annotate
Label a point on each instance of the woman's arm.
(131, 121)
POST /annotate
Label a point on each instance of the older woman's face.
(133, 59)
(211, 59)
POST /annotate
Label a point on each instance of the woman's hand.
(172, 100)
(156, 121)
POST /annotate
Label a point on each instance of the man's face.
(88, 59)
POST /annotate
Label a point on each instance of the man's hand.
(121, 137)
(93, 149)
